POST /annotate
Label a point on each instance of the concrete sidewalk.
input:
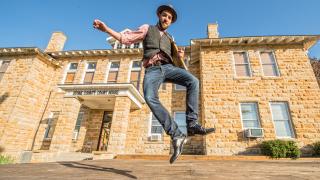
(161, 169)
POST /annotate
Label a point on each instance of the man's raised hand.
(97, 24)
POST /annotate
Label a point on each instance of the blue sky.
(31, 22)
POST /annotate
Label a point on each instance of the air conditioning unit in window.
(75, 135)
(155, 137)
(253, 132)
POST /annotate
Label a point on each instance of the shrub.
(280, 149)
(5, 159)
(316, 148)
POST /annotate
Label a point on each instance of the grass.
(6, 159)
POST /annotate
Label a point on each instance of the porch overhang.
(102, 96)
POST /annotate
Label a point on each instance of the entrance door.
(104, 131)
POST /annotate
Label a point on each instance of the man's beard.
(161, 26)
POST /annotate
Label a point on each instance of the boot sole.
(181, 147)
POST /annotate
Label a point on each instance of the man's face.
(165, 18)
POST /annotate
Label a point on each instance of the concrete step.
(46, 156)
(210, 157)
(191, 157)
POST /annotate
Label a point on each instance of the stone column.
(62, 137)
(119, 126)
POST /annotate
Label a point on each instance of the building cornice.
(84, 53)
(306, 40)
(255, 40)
(20, 51)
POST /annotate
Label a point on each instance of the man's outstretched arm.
(97, 24)
(126, 37)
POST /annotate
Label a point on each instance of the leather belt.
(158, 63)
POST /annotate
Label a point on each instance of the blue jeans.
(154, 77)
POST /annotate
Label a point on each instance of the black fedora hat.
(169, 8)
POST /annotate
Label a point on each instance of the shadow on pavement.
(98, 168)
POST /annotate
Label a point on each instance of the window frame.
(52, 118)
(70, 71)
(90, 71)
(275, 62)
(77, 126)
(293, 135)
(150, 133)
(109, 69)
(257, 114)
(135, 69)
(234, 64)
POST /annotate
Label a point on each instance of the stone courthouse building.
(252, 89)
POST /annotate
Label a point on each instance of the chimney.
(56, 42)
(213, 31)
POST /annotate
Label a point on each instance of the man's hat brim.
(169, 8)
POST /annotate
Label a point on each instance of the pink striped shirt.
(138, 35)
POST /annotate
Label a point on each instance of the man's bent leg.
(151, 83)
(185, 78)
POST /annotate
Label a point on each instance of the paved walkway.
(117, 169)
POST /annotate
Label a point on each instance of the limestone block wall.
(28, 81)
(222, 93)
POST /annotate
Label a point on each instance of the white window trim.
(234, 64)
(150, 126)
(87, 70)
(91, 70)
(290, 120)
(133, 69)
(67, 70)
(258, 113)
(275, 62)
(109, 69)
(74, 129)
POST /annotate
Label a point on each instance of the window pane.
(156, 130)
(73, 66)
(115, 65)
(88, 77)
(119, 46)
(249, 114)
(250, 124)
(249, 111)
(240, 58)
(92, 65)
(136, 64)
(281, 119)
(156, 127)
(4, 66)
(270, 70)
(242, 70)
(279, 111)
(180, 119)
(283, 129)
(136, 45)
(69, 78)
(112, 77)
(267, 58)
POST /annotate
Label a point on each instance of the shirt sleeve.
(131, 37)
